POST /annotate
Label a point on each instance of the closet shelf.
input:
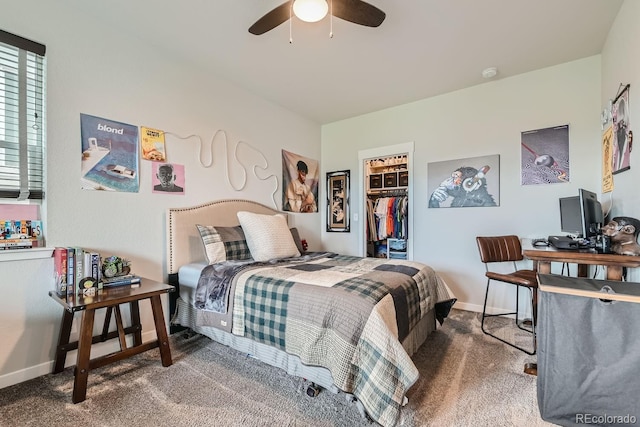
(389, 168)
(389, 180)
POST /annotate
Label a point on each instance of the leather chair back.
(500, 248)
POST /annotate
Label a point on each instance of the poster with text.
(109, 155)
(152, 145)
(300, 183)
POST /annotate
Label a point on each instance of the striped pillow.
(223, 243)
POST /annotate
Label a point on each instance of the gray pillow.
(297, 240)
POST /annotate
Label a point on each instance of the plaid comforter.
(346, 314)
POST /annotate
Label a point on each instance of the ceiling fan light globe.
(310, 10)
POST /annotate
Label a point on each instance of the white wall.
(621, 65)
(29, 320)
(482, 120)
(99, 70)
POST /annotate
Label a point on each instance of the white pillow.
(268, 236)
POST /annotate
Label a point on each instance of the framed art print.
(621, 133)
(461, 183)
(544, 156)
(338, 201)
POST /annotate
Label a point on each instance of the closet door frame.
(386, 151)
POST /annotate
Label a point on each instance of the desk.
(543, 257)
(109, 298)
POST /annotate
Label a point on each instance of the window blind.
(22, 118)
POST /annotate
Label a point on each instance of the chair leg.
(484, 307)
(531, 368)
(484, 310)
(517, 305)
(533, 323)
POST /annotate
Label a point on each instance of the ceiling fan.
(356, 11)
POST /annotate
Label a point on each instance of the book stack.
(127, 279)
(78, 271)
(22, 243)
(72, 265)
(22, 234)
(60, 270)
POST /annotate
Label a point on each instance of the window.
(21, 118)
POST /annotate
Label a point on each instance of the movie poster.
(109, 155)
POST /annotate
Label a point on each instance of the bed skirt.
(185, 315)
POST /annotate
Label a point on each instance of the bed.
(347, 324)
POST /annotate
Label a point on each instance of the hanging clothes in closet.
(387, 217)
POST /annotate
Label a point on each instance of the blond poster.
(153, 144)
(607, 161)
(109, 155)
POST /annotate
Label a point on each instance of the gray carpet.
(467, 379)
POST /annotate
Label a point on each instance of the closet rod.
(381, 193)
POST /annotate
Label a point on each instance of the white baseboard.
(35, 371)
(476, 308)
(25, 374)
(468, 307)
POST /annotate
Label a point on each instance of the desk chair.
(507, 249)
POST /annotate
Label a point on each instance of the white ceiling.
(423, 48)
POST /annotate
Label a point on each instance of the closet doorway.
(386, 179)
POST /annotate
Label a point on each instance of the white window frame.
(22, 118)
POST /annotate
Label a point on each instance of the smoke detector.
(490, 72)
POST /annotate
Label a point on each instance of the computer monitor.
(571, 216)
(592, 216)
(581, 215)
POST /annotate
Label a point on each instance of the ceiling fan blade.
(358, 12)
(272, 19)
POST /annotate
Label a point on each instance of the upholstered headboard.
(184, 244)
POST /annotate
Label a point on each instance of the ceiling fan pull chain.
(331, 19)
(291, 23)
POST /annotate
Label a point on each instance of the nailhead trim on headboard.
(175, 221)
